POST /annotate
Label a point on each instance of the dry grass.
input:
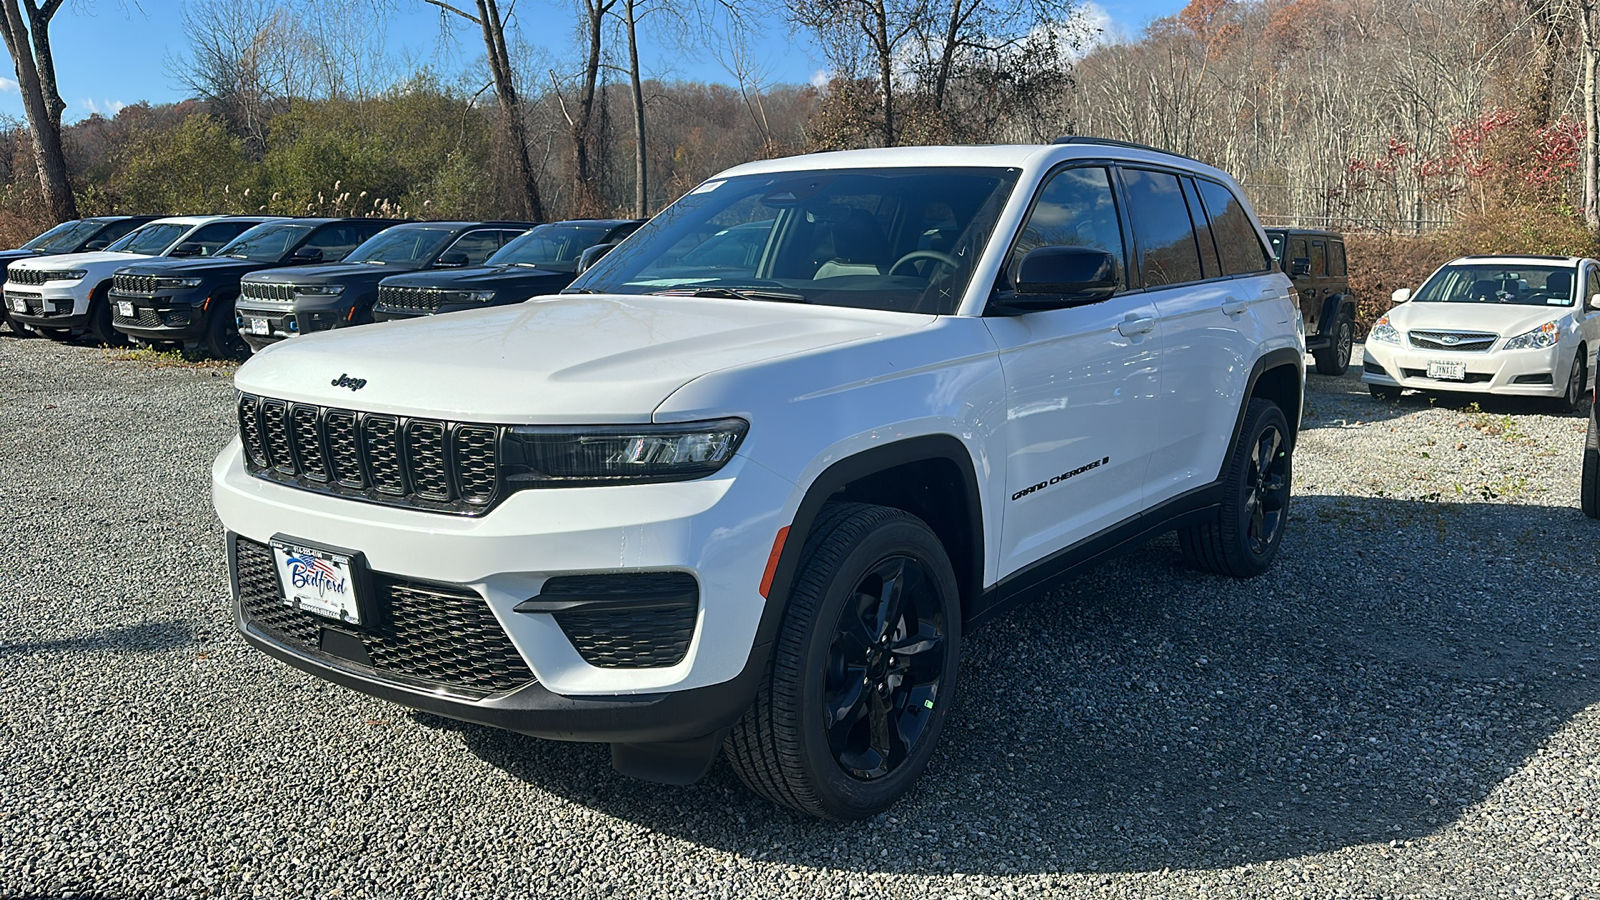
(151, 358)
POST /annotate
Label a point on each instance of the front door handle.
(1140, 325)
(1234, 307)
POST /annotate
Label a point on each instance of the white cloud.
(820, 78)
(1093, 26)
(8, 86)
(103, 108)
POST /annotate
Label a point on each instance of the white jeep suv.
(65, 294)
(754, 500)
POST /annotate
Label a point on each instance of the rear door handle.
(1234, 307)
(1132, 326)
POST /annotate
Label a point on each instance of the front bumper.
(261, 324)
(158, 317)
(719, 529)
(47, 306)
(1518, 373)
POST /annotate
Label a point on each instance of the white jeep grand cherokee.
(753, 497)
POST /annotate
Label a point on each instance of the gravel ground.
(1407, 705)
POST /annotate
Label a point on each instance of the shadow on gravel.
(147, 637)
(1400, 660)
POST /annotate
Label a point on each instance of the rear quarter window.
(1237, 241)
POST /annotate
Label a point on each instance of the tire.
(223, 340)
(1335, 359)
(100, 319)
(1590, 497)
(1244, 539)
(1382, 392)
(1575, 398)
(841, 625)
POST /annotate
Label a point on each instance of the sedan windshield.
(151, 239)
(265, 243)
(1497, 283)
(64, 237)
(555, 247)
(399, 246)
(901, 240)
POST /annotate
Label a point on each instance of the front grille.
(409, 299)
(642, 620)
(133, 284)
(266, 292)
(442, 636)
(398, 461)
(1471, 377)
(29, 276)
(143, 317)
(1452, 341)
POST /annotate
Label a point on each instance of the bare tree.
(581, 115)
(26, 29)
(248, 58)
(489, 20)
(853, 31)
(1590, 50)
(641, 196)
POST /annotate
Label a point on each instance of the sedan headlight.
(67, 275)
(536, 456)
(177, 283)
(454, 297)
(1544, 336)
(319, 290)
(1383, 331)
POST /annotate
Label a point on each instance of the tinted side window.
(1237, 241)
(335, 241)
(1202, 231)
(116, 230)
(477, 245)
(1075, 209)
(1336, 259)
(1161, 226)
(1298, 250)
(212, 237)
(1319, 258)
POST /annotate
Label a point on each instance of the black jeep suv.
(191, 300)
(1315, 261)
(76, 236)
(278, 305)
(542, 261)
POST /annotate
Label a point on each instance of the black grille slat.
(1453, 341)
(381, 440)
(303, 426)
(134, 284)
(440, 635)
(275, 428)
(430, 474)
(250, 430)
(653, 634)
(344, 448)
(28, 276)
(477, 461)
(269, 292)
(409, 299)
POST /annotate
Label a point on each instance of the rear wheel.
(223, 340)
(863, 672)
(1244, 538)
(1335, 358)
(1384, 392)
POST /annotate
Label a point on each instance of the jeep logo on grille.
(354, 384)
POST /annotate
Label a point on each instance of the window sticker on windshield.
(708, 187)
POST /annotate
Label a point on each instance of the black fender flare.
(1331, 308)
(1284, 357)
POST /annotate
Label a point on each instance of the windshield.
(398, 246)
(150, 239)
(1498, 283)
(65, 237)
(264, 243)
(552, 247)
(1276, 238)
(901, 240)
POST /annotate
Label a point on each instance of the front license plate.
(125, 309)
(317, 581)
(1447, 370)
(20, 306)
(260, 326)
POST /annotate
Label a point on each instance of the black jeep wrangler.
(1315, 261)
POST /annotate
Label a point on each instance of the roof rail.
(1112, 142)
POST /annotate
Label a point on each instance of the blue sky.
(110, 55)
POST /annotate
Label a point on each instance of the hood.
(568, 360)
(318, 274)
(61, 261)
(1504, 319)
(10, 256)
(483, 278)
(211, 265)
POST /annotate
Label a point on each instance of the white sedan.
(1525, 326)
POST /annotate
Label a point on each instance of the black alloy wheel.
(223, 340)
(1589, 498)
(1244, 537)
(863, 671)
(1266, 502)
(1335, 359)
(100, 319)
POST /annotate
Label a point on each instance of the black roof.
(609, 223)
(1113, 142)
(472, 223)
(1306, 231)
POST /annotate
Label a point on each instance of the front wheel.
(1574, 398)
(863, 672)
(223, 340)
(100, 319)
(1335, 359)
(1244, 538)
(1382, 392)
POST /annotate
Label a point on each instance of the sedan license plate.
(20, 306)
(260, 326)
(317, 581)
(1447, 370)
(125, 309)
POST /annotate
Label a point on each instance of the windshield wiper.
(732, 294)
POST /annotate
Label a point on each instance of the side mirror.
(96, 245)
(592, 255)
(1403, 295)
(1058, 277)
(1594, 301)
(189, 248)
(451, 259)
(1299, 267)
(306, 255)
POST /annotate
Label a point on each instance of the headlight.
(452, 297)
(319, 290)
(67, 275)
(1545, 335)
(559, 456)
(177, 283)
(1384, 332)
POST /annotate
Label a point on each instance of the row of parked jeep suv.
(229, 284)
